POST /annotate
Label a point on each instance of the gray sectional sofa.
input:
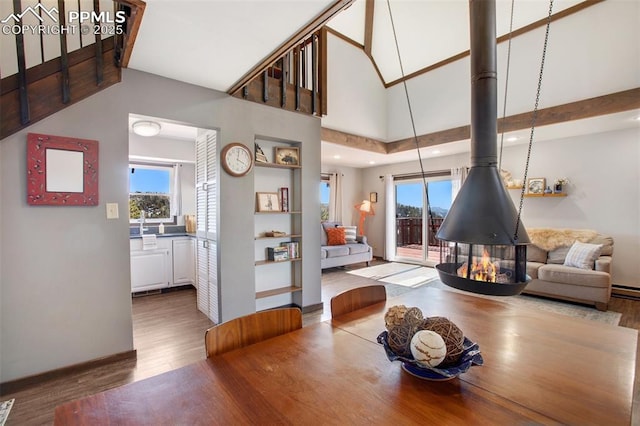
(340, 255)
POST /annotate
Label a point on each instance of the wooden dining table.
(539, 367)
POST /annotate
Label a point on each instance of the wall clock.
(236, 159)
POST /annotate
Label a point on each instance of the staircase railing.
(296, 81)
(60, 55)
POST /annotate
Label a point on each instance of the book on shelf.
(284, 199)
(293, 249)
(278, 254)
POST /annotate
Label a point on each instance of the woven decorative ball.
(450, 333)
(414, 318)
(399, 339)
(394, 316)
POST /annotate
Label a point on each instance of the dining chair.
(357, 298)
(250, 329)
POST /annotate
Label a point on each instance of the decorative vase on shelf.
(557, 188)
(547, 190)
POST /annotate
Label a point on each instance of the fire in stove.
(483, 270)
(487, 269)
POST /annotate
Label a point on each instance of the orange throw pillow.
(336, 237)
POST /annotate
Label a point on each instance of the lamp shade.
(146, 128)
(365, 206)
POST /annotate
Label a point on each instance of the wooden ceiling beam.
(302, 34)
(134, 20)
(626, 100)
(353, 141)
(368, 26)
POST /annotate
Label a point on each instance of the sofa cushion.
(335, 237)
(532, 269)
(582, 255)
(350, 233)
(536, 254)
(607, 244)
(576, 276)
(356, 248)
(323, 234)
(558, 255)
(337, 251)
(323, 253)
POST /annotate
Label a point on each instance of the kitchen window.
(151, 190)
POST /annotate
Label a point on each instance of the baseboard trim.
(17, 385)
(312, 308)
(625, 291)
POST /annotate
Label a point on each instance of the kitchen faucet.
(142, 228)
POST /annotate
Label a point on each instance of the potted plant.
(559, 184)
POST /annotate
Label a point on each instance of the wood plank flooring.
(169, 333)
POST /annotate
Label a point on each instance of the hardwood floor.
(169, 333)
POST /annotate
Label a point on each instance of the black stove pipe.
(483, 212)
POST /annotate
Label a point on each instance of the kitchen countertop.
(165, 235)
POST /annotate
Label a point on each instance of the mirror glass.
(64, 171)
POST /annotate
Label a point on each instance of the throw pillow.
(349, 233)
(582, 255)
(335, 237)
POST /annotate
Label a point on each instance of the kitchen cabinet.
(183, 261)
(150, 269)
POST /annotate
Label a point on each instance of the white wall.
(65, 280)
(604, 194)
(356, 95)
(591, 53)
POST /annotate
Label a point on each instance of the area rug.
(413, 278)
(383, 270)
(5, 408)
(401, 277)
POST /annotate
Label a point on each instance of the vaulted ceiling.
(215, 43)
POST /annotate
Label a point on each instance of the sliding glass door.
(416, 224)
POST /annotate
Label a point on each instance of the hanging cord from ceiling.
(534, 118)
(413, 124)
(506, 85)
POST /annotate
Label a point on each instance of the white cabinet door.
(184, 264)
(150, 269)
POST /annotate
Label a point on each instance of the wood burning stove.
(483, 219)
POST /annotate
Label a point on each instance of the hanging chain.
(533, 119)
(413, 124)
(506, 86)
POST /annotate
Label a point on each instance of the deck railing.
(409, 231)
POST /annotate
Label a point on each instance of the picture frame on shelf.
(267, 202)
(289, 156)
(536, 185)
(260, 157)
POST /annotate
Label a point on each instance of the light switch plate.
(112, 211)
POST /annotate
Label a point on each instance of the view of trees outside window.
(325, 190)
(150, 190)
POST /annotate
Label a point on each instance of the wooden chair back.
(251, 329)
(357, 298)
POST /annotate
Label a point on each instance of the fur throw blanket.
(550, 239)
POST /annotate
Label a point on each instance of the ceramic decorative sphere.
(428, 348)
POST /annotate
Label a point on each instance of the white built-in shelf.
(269, 262)
(277, 166)
(276, 291)
(262, 237)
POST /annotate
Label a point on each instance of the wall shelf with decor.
(562, 194)
(277, 223)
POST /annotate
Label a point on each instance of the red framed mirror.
(61, 171)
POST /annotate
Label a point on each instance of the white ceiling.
(221, 40)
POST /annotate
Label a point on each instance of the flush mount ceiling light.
(146, 128)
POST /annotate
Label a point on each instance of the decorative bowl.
(470, 356)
